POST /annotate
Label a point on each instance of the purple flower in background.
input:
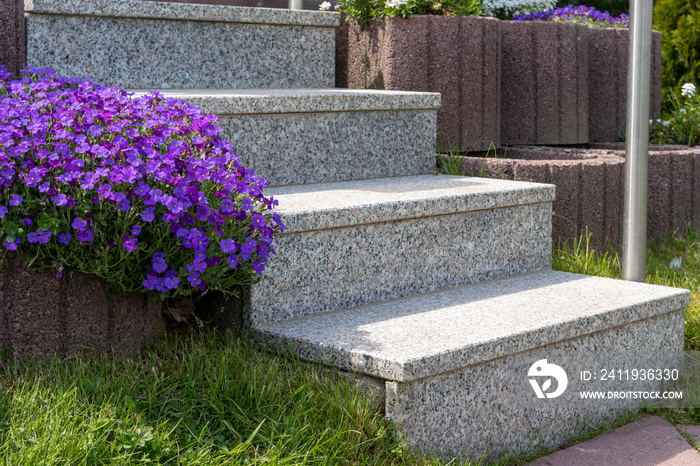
(130, 244)
(32, 237)
(12, 246)
(135, 230)
(16, 199)
(79, 224)
(228, 245)
(148, 215)
(60, 200)
(3, 211)
(85, 236)
(158, 263)
(232, 260)
(64, 238)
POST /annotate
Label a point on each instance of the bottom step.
(463, 367)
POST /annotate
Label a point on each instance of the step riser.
(492, 408)
(325, 270)
(302, 148)
(147, 53)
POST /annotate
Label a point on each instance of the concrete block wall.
(607, 82)
(459, 57)
(590, 188)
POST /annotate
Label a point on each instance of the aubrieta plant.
(682, 125)
(578, 14)
(142, 192)
(507, 9)
(363, 11)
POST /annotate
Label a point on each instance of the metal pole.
(296, 4)
(634, 231)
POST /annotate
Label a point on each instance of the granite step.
(456, 363)
(354, 243)
(145, 45)
(302, 136)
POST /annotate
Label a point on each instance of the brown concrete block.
(695, 192)
(459, 57)
(544, 83)
(608, 52)
(614, 202)
(13, 53)
(681, 186)
(593, 200)
(565, 209)
(659, 207)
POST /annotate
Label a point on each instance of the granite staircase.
(439, 288)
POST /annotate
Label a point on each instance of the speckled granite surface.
(301, 148)
(153, 53)
(492, 408)
(417, 337)
(360, 250)
(182, 11)
(334, 205)
(254, 101)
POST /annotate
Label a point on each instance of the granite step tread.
(301, 100)
(342, 204)
(421, 336)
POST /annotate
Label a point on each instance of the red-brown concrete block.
(607, 76)
(459, 57)
(681, 184)
(659, 207)
(13, 53)
(695, 192)
(565, 176)
(614, 202)
(41, 315)
(544, 83)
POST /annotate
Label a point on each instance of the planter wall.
(544, 83)
(12, 35)
(607, 82)
(456, 56)
(42, 315)
(590, 188)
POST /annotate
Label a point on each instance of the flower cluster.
(362, 11)
(507, 9)
(140, 191)
(577, 14)
(682, 125)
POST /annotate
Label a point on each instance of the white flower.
(675, 263)
(325, 6)
(666, 123)
(395, 3)
(688, 90)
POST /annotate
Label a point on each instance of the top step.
(146, 45)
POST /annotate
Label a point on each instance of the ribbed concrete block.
(457, 362)
(351, 244)
(42, 315)
(12, 35)
(459, 57)
(145, 45)
(544, 83)
(607, 96)
(302, 136)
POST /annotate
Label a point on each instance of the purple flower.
(232, 260)
(136, 230)
(158, 263)
(64, 238)
(85, 236)
(124, 205)
(258, 266)
(194, 280)
(59, 275)
(258, 220)
(12, 245)
(228, 245)
(79, 224)
(3, 211)
(60, 200)
(15, 200)
(32, 237)
(148, 215)
(131, 244)
(150, 281)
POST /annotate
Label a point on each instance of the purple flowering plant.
(142, 192)
(578, 14)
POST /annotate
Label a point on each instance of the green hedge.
(679, 22)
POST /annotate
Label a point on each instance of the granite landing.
(354, 243)
(457, 363)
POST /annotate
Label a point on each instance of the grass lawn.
(201, 398)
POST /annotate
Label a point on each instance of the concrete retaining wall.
(590, 188)
(42, 315)
(456, 56)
